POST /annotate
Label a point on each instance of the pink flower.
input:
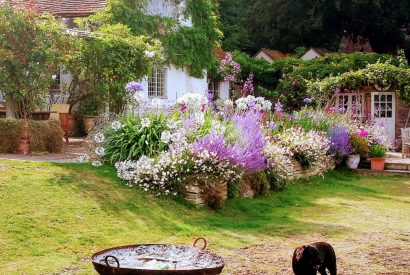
(362, 132)
(183, 108)
(203, 108)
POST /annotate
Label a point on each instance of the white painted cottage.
(313, 53)
(168, 83)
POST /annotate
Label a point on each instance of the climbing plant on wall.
(190, 47)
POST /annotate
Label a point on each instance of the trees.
(31, 48)
(288, 24)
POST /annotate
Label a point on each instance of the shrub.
(377, 151)
(360, 145)
(45, 136)
(10, 135)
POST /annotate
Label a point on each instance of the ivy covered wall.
(191, 47)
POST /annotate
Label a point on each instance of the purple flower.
(271, 125)
(278, 107)
(307, 100)
(340, 145)
(248, 87)
(247, 152)
(215, 144)
(134, 86)
(338, 91)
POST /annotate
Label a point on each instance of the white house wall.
(262, 55)
(224, 88)
(311, 54)
(169, 8)
(177, 83)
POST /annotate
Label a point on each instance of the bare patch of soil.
(369, 253)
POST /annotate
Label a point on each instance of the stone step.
(384, 173)
(391, 165)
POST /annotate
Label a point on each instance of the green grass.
(54, 216)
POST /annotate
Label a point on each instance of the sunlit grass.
(54, 216)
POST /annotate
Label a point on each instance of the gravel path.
(370, 253)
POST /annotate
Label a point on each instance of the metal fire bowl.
(168, 259)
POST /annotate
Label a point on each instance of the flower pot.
(353, 161)
(89, 122)
(377, 164)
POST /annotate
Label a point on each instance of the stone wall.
(202, 189)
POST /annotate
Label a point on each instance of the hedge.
(44, 135)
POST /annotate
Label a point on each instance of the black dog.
(309, 259)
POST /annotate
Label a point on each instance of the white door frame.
(385, 114)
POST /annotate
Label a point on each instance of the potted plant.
(89, 111)
(360, 147)
(377, 157)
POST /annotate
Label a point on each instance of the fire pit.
(158, 259)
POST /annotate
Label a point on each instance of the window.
(353, 103)
(56, 81)
(156, 83)
(213, 86)
(383, 106)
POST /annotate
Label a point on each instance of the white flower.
(156, 103)
(138, 96)
(99, 138)
(166, 137)
(242, 106)
(145, 122)
(228, 103)
(149, 54)
(172, 124)
(83, 158)
(199, 118)
(193, 101)
(100, 151)
(116, 125)
(96, 163)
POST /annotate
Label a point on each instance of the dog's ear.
(299, 252)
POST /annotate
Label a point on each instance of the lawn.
(54, 216)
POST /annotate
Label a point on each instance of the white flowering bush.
(309, 148)
(279, 160)
(253, 103)
(192, 101)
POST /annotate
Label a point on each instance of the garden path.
(71, 150)
(367, 253)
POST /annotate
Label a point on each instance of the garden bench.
(405, 141)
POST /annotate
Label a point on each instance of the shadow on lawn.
(279, 213)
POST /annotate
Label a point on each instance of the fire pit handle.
(201, 239)
(115, 259)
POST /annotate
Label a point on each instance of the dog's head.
(308, 256)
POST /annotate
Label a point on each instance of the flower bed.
(211, 151)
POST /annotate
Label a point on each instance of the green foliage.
(379, 74)
(360, 145)
(133, 141)
(31, 47)
(189, 47)
(287, 79)
(377, 151)
(45, 136)
(10, 135)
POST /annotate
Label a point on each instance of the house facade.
(167, 83)
(270, 55)
(313, 53)
(381, 105)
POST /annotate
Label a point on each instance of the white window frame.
(213, 86)
(56, 85)
(157, 83)
(348, 105)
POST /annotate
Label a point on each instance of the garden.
(256, 173)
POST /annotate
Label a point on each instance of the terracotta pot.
(353, 161)
(89, 122)
(377, 164)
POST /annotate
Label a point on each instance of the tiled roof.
(321, 51)
(273, 54)
(64, 8)
(351, 45)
